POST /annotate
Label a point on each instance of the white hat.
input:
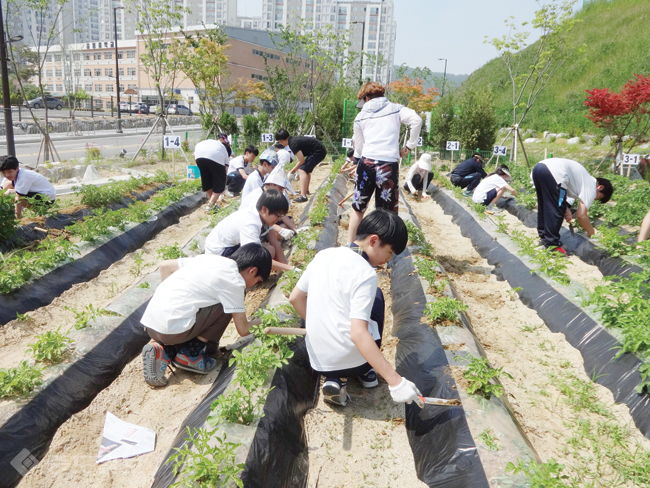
(277, 177)
(425, 162)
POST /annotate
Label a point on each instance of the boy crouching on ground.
(24, 183)
(336, 295)
(193, 306)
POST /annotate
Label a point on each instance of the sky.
(453, 29)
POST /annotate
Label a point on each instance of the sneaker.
(369, 380)
(560, 249)
(491, 209)
(467, 193)
(193, 360)
(300, 199)
(335, 391)
(154, 363)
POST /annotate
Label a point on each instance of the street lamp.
(444, 77)
(6, 95)
(117, 71)
(363, 35)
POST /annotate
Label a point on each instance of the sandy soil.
(516, 338)
(70, 461)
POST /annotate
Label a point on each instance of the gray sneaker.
(467, 193)
(154, 363)
(335, 391)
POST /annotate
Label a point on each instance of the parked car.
(174, 109)
(51, 103)
(141, 107)
(124, 107)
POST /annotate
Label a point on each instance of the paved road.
(57, 114)
(109, 144)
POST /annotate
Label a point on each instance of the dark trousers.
(235, 182)
(211, 323)
(418, 182)
(551, 205)
(377, 314)
(469, 182)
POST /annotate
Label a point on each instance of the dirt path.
(550, 391)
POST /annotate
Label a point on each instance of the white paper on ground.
(121, 440)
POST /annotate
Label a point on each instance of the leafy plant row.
(99, 196)
(22, 265)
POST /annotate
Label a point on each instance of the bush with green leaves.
(444, 308)
(85, 315)
(50, 347)
(480, 374)
(7, 216)
(171, 252)
(540, 475)
(20, 380)
(417, 238)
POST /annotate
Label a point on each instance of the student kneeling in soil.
(468, 174)
(268, 161)
(419, 176)
(247, 225)
(24, 183)
(239, 169)
(336, 295)
(558, 182)
(277, 180)
(193, 306)
(490, 189)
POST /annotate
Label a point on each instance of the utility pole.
(117, 71)
(6, 94)
(363, 36)
(444, 77)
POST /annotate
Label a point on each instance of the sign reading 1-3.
(267, 137)
(172, 142)
(453, 145)
(500, 150)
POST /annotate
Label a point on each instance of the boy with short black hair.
(339, 299)
(247, 225)
(24, 183)
(268, 162)
(193, 306)
(239, 169)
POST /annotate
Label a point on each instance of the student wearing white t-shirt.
(419, 176)
(193, 306)
(336, 294)
(268, 161)
(285, 227)
(492, 187)
(558, 182)
(211, 157)
(247, 225)
(239, 169)
(24, 183)
(284, 155)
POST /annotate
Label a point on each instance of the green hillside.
(617, 40)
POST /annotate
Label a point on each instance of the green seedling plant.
(502, 226)
(527, 245)
(417, 238)
(171, 252)
(7, 216)
(427, 269)
(513, 293)
(194, 247)
(291, 278)
(553, 264)
(138, 263)
(145, 285)
(444, 308)
(644, 386)
(42, 208)
(540, 475)
(206, 465)
(490, 439)
(614, 243)
(85, 315)
(24, 317)
(480, 374)
(50, 347)
(20, 380)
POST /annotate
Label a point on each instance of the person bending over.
(268, 162)
(277, 180)
(376, 142)
(338, 297)
(419, 176)
(193, 306)
(309, 152)
(239, 169)
(24, 184)
(468, 174)
(558, 182)
(248, 224)
(212, 159)
(491, 189)
(350, 166)
(285, 156)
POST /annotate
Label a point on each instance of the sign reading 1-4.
(453, 145)
(172, 142)
(500, 150)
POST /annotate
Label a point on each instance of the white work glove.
(302, 229)
(296, 269)
(286, 233)
(292, 176)
(407, 392)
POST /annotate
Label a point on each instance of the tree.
(411, 93)
(442, 122)
(623, 113)
(476, 124)
(531, 69)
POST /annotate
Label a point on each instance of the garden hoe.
(297, 331)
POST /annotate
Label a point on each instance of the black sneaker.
(300, 199)
(369, 380)
(335, 391)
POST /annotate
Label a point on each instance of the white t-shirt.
(341, 286)
(203, 281)
(240, 227)
(424, 174)
(30, 181)
(212, 150)
(253, 182)
(284, 156)
(574, 178)
(238, 163)
(494, 182)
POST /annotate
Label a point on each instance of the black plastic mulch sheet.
(597, 346)
(28, 233)
(579, 245)
(278, 456)
(33, 426)
(443, 448)
(46, 288)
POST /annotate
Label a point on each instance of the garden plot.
(72, 455)
(554, 400)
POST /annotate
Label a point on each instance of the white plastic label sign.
(346, 143)
(419, 142)
(267, 137)
(500, 150)
(172, 142)
(632, 159)
(453, 145)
